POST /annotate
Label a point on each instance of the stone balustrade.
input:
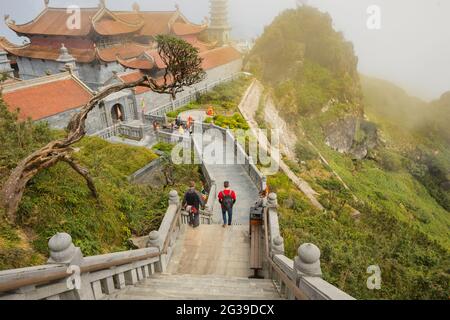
(69, 275)
(304, 271)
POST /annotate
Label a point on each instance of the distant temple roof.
(219, 56)
(127, 77)
(211, 59)
(39, 99)
(53, 22)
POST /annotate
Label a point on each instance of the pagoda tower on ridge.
(219, 29)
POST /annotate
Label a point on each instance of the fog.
(412, 48)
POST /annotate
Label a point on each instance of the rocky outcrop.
(352, 135)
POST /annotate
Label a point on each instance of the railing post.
(154, 240)
(174, 199)
(272, 201)
(63, 252)
(278, 245)
(307, 263)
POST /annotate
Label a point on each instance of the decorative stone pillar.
(272, 201)
(63, 251)
(154, 239)
(307, 263)
(174, 199)
(278, 245)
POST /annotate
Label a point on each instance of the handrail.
(173, 225)
(35, 280)
(58, 274)
(107, 265)
(287, 281)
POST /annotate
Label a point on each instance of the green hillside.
(399, 182)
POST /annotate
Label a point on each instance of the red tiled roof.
(49, 53)
(107, 23)
(219, 56)
(126, 51)
(137, 63)
(201, 46)
(4, 43)
(131, 77)
(182, 29)
(154, 22)
(39, 99)
(53, 21)
(158, 60)
(107, 27)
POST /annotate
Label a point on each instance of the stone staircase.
(199, 287)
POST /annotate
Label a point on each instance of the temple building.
(103, 42)
(107, 47)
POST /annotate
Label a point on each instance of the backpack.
(228, 201)
(192, 199)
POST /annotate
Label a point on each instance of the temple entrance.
(117, 113)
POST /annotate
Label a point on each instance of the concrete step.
(199, 287)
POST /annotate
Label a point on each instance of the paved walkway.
(197, 115)
(240, 182)
(212, 250)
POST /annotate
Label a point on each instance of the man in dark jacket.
(192, 202)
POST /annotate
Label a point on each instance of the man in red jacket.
(227, 199)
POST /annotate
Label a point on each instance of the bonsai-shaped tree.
(183, 68)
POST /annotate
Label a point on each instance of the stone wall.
(101, 117)
(34, 68)
(95, 75)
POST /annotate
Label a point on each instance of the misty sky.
(412, 49)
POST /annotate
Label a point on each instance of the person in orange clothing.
(210, 112)
(189, 122)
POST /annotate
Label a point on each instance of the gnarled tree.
(183, 68)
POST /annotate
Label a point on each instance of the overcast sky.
(412, 48)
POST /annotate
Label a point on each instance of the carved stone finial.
(154, 239)
(6, 17)
(63, 50)
(46, 2)
(272, 201)
(174, 198)
(308, 260)
(278, 245)
(177, 7)
(102, 4)
(63, 251)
